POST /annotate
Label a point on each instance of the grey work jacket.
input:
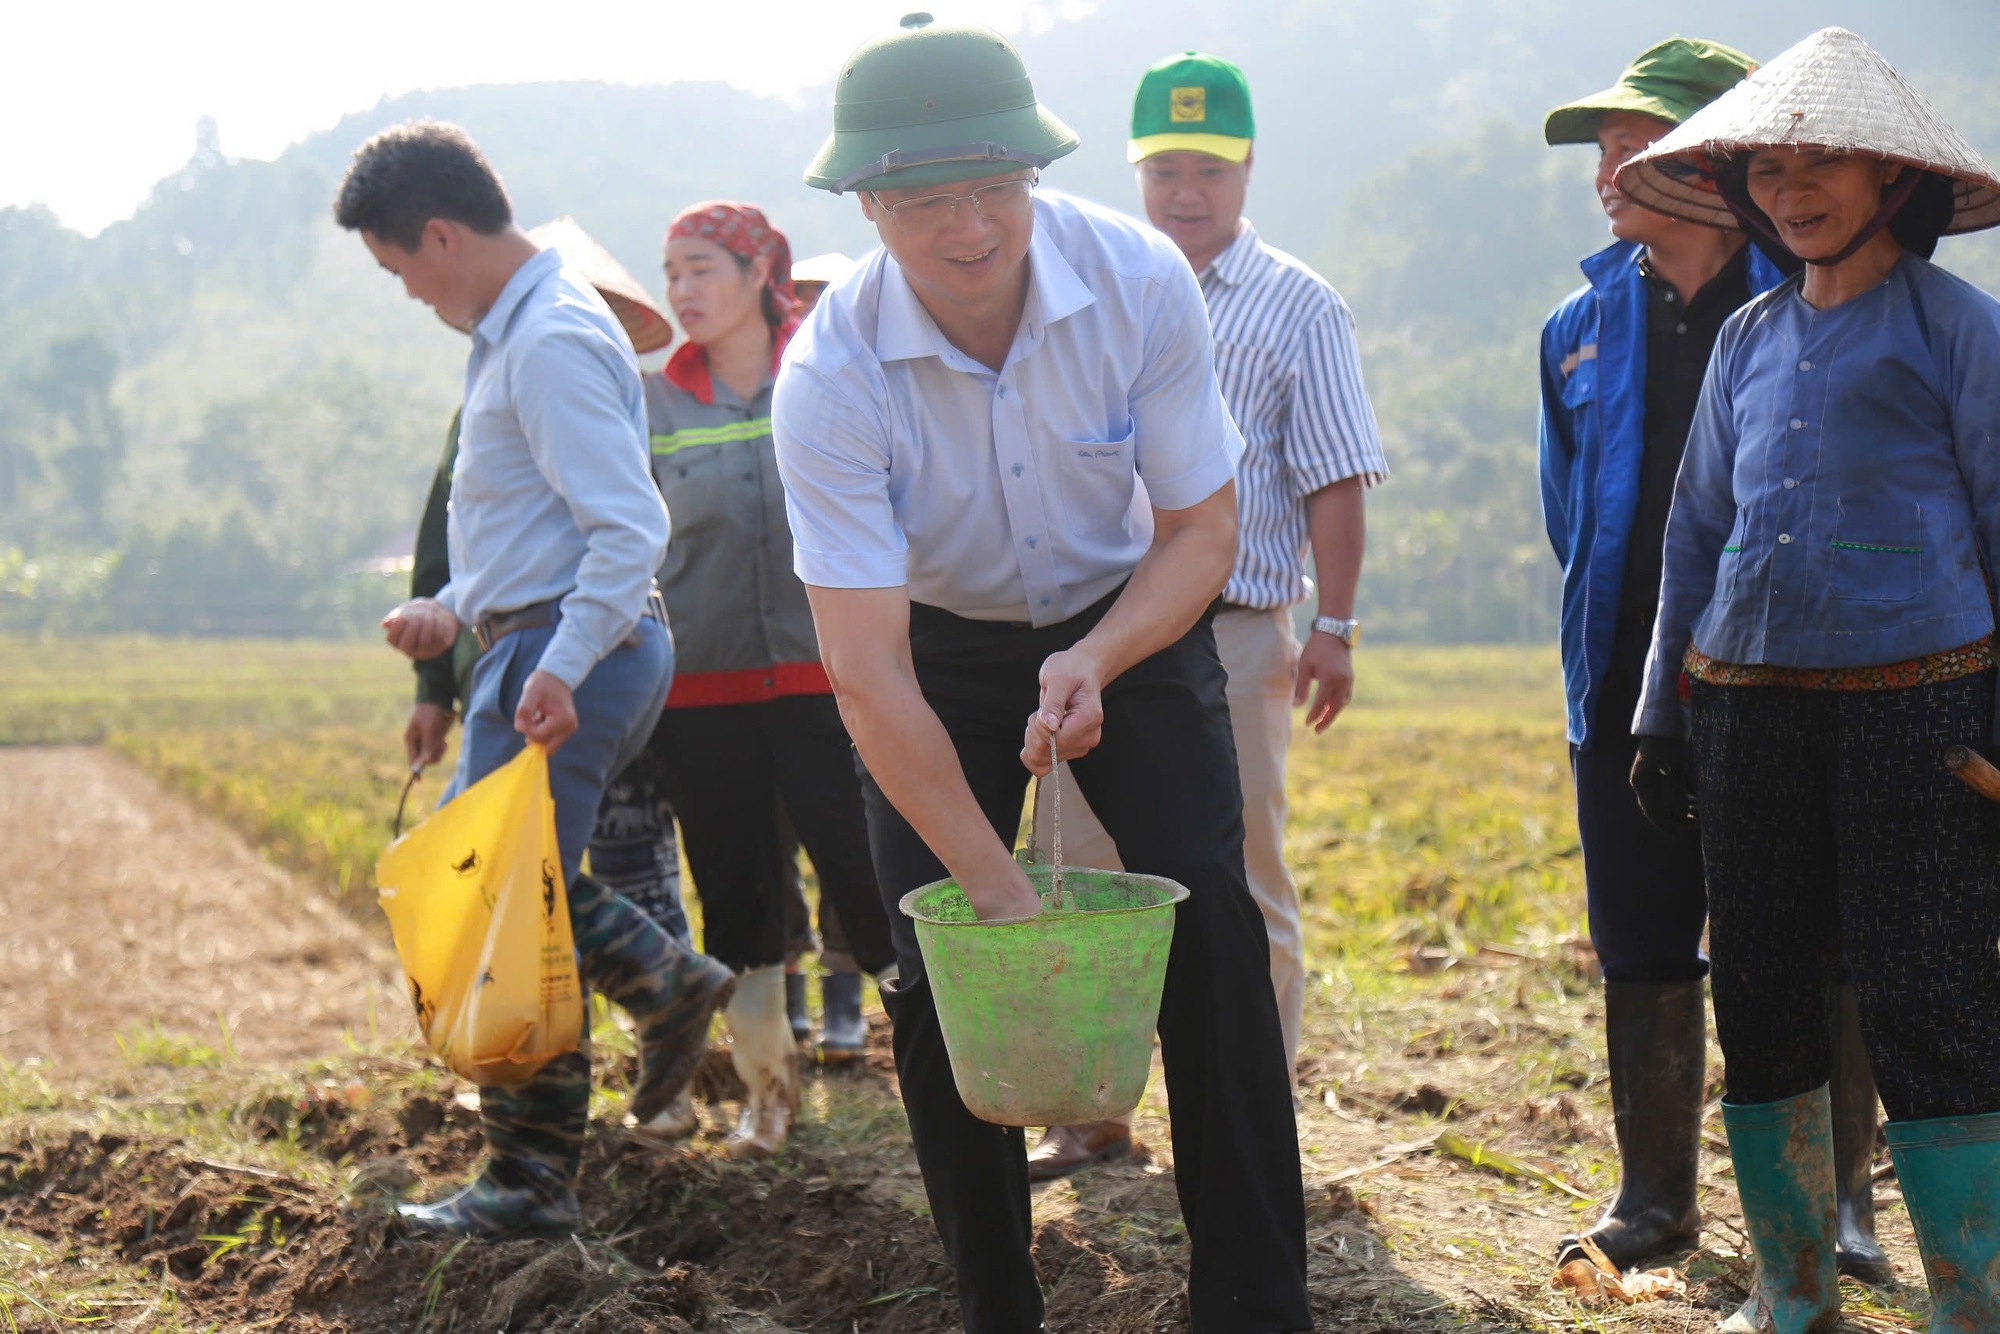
(743, 631)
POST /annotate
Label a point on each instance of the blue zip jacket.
(1592, 441)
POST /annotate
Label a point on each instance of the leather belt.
(488, 630)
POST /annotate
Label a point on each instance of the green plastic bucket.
(1049, 1020)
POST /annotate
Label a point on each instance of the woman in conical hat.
(1825, 632)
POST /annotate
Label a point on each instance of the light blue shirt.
(1290, 372)
(552, 496)
(1839, 502)
(1024, 494)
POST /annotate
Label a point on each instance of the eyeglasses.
(1000, 200)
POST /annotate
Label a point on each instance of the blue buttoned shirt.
(1839, 502)
(552, 496)
(1023, 494)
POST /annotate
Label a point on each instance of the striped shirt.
(1286, 359)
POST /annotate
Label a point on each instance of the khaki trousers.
(1259, 652)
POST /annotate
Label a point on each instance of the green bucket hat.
(933, 105)
(1192, 103)
(1670, 81)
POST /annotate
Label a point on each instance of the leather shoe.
(1068, 1149)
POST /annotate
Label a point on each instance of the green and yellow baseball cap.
(1670, 81)
(1192, 103)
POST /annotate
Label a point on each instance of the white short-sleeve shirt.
(1024, 494)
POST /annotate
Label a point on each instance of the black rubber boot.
(1656, 1037)
(1854, 1120)
(845, 1035)
(795, 1008)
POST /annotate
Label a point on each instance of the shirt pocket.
(1731, 559)
(695, 483)
(1243, 373)
(1579, 389)
(1097, 479)
(1878, 556)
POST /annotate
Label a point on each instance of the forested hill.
(215, 415)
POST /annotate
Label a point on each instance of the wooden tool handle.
(1974, 770)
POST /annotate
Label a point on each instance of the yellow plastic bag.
(475, 898)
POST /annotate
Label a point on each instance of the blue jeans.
(616, 707)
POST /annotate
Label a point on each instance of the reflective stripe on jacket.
(743, 630)
(1592, 441)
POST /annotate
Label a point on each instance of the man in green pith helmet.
(1009, 475)
(1623, 359)
(1291, 374)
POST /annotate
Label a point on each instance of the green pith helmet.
(1192, 103)
(931, 105)
(1670, 82)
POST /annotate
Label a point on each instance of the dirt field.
(134, 919)
(186, 1181)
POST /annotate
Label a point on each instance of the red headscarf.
(744, 231)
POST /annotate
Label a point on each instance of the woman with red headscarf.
(751, 723)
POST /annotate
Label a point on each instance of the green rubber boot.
(1950, 1173)
(1783, 1154)
(534, 1146)
(670, 991)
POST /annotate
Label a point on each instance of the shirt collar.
(494, 324)
(906, 331)
(1233, 265)
(1617, 261)
(688, 369)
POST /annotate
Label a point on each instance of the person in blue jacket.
(1622, 361)
(1825, 636)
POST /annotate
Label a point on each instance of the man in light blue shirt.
(1008, 471)
(555, 529)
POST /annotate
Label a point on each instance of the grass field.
(1435, 846)
(299, 746)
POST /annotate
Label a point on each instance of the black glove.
(1664, 785)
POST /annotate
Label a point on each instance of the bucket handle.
(1057, 899)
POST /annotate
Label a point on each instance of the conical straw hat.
(645, 323)
(1832, 91)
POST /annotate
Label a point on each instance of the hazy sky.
(98, 101)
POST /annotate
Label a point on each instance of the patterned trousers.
(1827, 817)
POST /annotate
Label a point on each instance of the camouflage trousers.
(625, 954)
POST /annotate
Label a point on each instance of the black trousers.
(1163, 782)
(1827, 818)
(1644, 888)
(726, 768)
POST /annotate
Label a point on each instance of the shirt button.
(1798, 424)
(1805, 365)
(1003, 391)
(1017, 470)
(1033, 542)
(1784, 539)
(1791, 482)
(1045, 602)
(1680, 328)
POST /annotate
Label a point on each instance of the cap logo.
(1187, 105)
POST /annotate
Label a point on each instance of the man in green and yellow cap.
(1623, 360)
(1290, 371)
(1009, 474)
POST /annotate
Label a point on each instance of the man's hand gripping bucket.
(1049, 1020)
